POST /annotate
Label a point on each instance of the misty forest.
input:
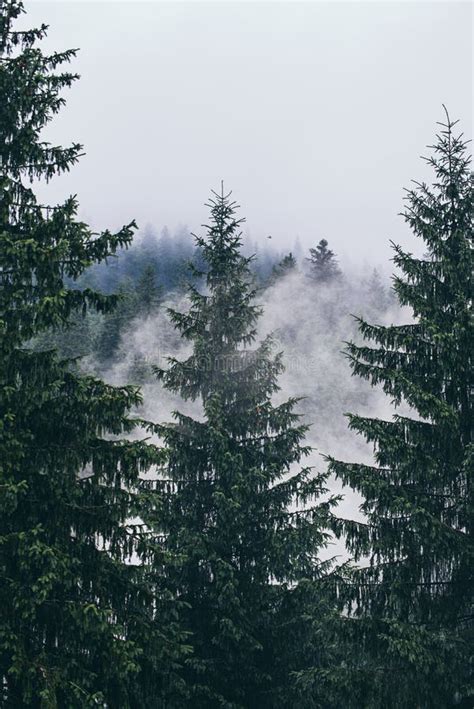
(231, 475)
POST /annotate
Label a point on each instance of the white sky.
(314, 113)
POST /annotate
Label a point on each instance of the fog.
(309, 323)
(314, 113)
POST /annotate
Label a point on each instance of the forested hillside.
(189, 517)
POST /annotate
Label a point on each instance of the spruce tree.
(378, 297)
(77, 339)
(134, 300)
(115, 322)
(411, 604)
(76, 620)
(148, 292)
(283, 268)
(323, 266)
(237, 512)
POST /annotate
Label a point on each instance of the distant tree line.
(141, 282)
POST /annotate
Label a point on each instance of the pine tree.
(323, 263)
(237, 512)
(115, 322)
(77, 339)
(412, 604)
(76, 620)
(379, 298)
(148, 291)
(134, 300)
(283, 268)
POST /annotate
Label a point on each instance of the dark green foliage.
(148, 291)
(283, 268)
(75, 618)
(134, 301)
(101, 335)
(412, 606)
(237, 511)
(78, 338)
(169, 254)
(323, 266)
(116, 322)
(202, 586)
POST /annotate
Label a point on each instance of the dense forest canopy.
(170, 535)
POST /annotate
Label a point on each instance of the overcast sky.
(314, 113)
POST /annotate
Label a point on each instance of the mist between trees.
(309, 322)
(167, 522)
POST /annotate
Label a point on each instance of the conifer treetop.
(414, 598)
(77, 619)
(323, 263)
(223, 318)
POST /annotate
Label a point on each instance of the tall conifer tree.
(284, 267)
(237, 511)
(148, 292)
(412, 605)
(323, 263)
(75, 619)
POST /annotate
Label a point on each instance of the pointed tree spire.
(412, 604)
(76, 617)
(238, 507)
(286, 266)
(323, 267)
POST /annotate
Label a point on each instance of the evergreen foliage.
(238, 514)
(323, 266)
(75, 617)
(283, 268)
(78, 338)
(411, 606)
(134, 576)
(169, 254)
(379, 298)
(116, 322)
(100, 335)
(149, 293)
